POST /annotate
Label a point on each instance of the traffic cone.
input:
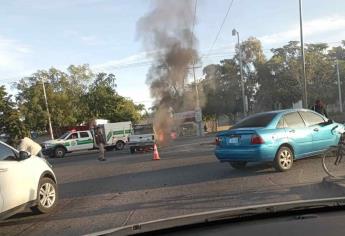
(155, 153)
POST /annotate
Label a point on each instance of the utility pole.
(46, 101)
(196, 89)
(198, 113)
(234, 33)
(305, 95)
(339, 88)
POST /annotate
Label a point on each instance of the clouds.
(53, 5)
(11, 51)
(14, 57)
(90, 40)
(331, 25)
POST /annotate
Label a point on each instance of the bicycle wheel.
(333, 161)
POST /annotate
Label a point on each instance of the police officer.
(318, 107)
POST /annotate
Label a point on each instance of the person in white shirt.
(30, 146)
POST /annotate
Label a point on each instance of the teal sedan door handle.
(316, 130)
(292, 131)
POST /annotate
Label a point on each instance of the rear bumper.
(140, 144)
(256, 153)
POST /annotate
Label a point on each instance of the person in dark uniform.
(319, 108)
(100, 143)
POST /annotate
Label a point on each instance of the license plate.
(233, 140)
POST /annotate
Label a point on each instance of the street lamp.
(46, 101)
(234, 33)
(305, 95)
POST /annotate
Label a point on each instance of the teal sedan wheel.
(284, 159)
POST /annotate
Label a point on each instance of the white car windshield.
(65, 135)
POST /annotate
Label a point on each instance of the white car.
(25, 181)
(142, 138)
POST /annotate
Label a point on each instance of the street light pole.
(234, 33)
(305, 95)
(46, 101)
(339, 88)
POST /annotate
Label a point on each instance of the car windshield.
(260, 120)
(172, 107)
(138, 130)
(64, 135)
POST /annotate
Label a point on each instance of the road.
(129, 189)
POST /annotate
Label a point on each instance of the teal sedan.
(277, 136)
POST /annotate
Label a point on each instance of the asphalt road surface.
(129, 189)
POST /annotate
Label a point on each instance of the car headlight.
(47, 145)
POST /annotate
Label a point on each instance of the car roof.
(284, 111)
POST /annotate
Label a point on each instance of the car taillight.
(128, 139)
(153, 137)
(256, 139)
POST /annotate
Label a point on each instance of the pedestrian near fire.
(100, 143)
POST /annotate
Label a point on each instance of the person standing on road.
(28, 145)
(100, 143)
(319, 108)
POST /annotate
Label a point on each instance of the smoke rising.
(167, 30)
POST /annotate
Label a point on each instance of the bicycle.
(332, 159)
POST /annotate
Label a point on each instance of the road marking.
(128, 217)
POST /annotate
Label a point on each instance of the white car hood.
(53, 142)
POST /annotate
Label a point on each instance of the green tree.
(102, 101)
(279, 79)
(274, 83)
(320, 71)
(338, 53)
(10, 118)
(64, 93)
(253, 59)
(222, 89)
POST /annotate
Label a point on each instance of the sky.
(39, 34)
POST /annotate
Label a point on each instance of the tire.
(333, 161)
(132, 149)
(47, 196)
(59, 152)
(238, 165)
(119, 145)
(284, 159)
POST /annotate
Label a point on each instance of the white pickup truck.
(69, 142)
(115, 134)
(142, 138)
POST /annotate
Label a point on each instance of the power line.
(194, 20)
(221, 27)
(209, 54)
